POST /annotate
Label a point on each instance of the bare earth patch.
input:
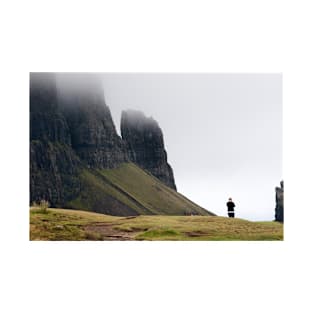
(197, 233)
(105, 231)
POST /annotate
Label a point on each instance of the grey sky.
(223, 133)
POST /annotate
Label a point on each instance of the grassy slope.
(151, 192)
(59, 224)
(135, 188)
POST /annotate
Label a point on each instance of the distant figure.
(230, 206)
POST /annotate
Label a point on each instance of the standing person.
(231, 208)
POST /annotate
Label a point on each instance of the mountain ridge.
(76, 155)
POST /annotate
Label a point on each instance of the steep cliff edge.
(47, 122)
(54, 166)
(279, 209)
(78, 161)
(93, 134)
(145, 145)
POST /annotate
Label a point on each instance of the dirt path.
(108, 232)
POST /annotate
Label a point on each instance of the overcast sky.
(223, 133)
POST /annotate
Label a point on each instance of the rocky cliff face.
(145, 145)
(70, 128)
(46, 120)
(93, 134)
(54, 166)
(74, 143)
(279, 209)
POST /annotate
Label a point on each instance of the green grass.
(60, 224)
(150, 192)
(129, 190)
(96, 190)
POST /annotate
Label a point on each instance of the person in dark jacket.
(231, 208)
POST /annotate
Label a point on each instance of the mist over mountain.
(76, 155)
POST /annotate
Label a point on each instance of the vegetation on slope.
(60, 224)
(150, 192)
(129, 190)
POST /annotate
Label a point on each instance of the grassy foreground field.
(61, 224)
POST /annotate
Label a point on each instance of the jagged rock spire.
(145, 145)
(279, 209)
